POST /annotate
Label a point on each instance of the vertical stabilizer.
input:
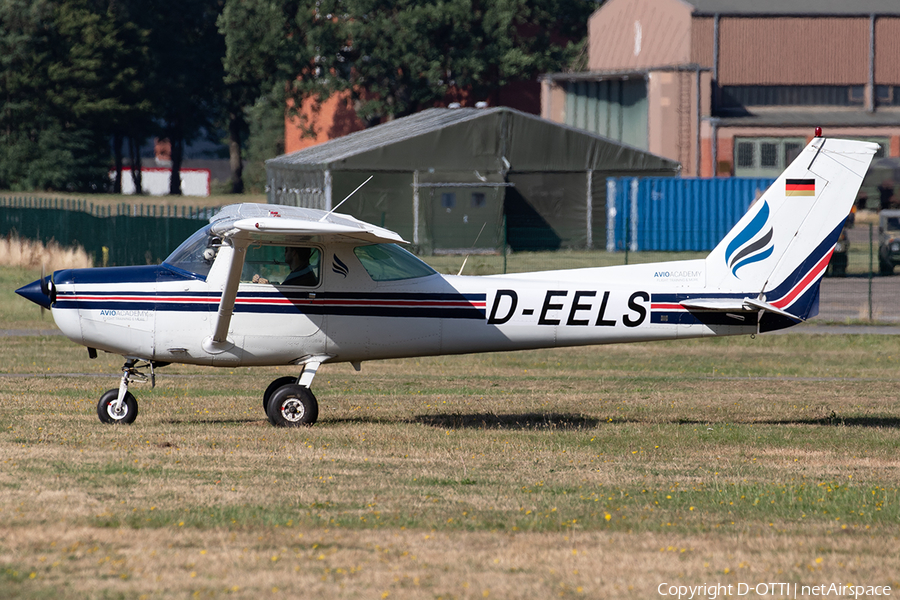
(778, 251)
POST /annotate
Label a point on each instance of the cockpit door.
(278, 310)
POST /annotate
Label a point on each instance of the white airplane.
(226, 297)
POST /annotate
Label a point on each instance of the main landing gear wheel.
(280, 382)
(292, 406)
(126, 413)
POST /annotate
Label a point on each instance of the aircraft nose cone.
(33, 292)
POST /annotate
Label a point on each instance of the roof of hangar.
(497, 139)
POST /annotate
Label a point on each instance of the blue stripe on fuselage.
(299, 302)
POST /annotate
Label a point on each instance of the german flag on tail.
(800, 187)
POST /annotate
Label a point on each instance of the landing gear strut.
(119, 405)
(288, 400)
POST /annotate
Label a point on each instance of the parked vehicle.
(837, 266)
(889, 249)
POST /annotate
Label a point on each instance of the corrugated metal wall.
(887, 51)
(703, 41)
(638, 34)
(676, 214)
(783, 51)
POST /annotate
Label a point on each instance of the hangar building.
(456, 179)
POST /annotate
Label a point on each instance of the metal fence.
(131, 234)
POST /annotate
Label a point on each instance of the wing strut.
(218, 342)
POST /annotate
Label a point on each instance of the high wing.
(240, 225)
(287, 224)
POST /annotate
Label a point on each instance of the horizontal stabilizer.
(763, 305)
(716, 304)
(734, 304)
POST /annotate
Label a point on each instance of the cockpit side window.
(390, 262)
(282, 265)
(196, 254)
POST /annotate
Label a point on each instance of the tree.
(95, 77)
(397, 57)
(23, 45)
(67, 83)
(394, 57)
(265, 49)
(185, 75)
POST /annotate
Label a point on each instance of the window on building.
(764, 157)
(738, 96)
(791, 151)
(478, 199)
(887, 95)
(613, 108)
(744, 152)
(448, 200)
(768, 155)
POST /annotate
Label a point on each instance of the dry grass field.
(598, 472)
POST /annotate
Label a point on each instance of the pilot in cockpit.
(302, 262)
(302, 272)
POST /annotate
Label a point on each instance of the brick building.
(729, 87)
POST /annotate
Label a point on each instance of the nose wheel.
(110, 410)
(119, 405)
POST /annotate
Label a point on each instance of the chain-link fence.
(854, 290)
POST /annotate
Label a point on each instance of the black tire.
(885, 268)
(267, 395)
(129, 410)
(292, 406)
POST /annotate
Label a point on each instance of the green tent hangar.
(464, 178)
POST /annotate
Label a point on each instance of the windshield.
(196, 254)
(390, 262)
(890, 223)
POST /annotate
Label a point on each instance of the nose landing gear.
(119, 405)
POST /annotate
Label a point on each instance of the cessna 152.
(226, 298)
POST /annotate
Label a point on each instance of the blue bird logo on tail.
(749, 246)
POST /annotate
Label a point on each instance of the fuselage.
(164, 313)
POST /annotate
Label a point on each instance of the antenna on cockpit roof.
(466, 259)
(347, 198)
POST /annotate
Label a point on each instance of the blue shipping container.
(676, 214)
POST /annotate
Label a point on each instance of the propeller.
(47, 286)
